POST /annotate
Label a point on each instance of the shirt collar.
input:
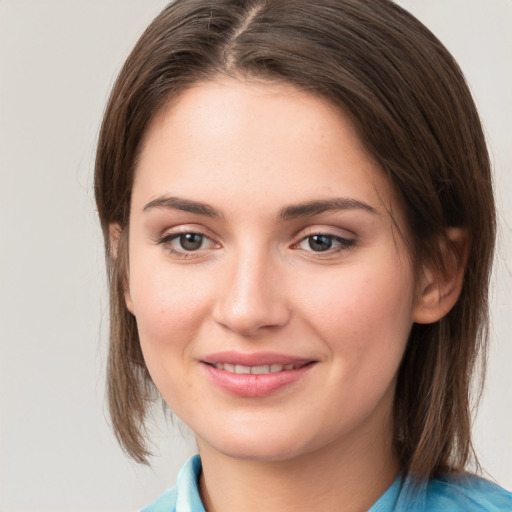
(188, 498)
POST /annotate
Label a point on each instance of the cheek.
(169, 308)
(365, 313)
(169, 304)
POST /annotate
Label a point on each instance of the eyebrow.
(310, 208)
(184, 205)
(290, 212)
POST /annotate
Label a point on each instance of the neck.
(348, 476)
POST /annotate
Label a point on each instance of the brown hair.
(414, 113)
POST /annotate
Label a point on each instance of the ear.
(440, 287)
(119, 254)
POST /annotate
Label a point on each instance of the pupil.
(320, 243)
(191, 241)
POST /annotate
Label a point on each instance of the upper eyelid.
(167, 240)
(186, 228)
(299, 235)
(171, 236)
(324, 230)
(338, 238)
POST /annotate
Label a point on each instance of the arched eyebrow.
(185, 205)
(317, 207)
(290, 212)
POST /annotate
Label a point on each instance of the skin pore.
(259, 234)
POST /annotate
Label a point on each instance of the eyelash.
(166, 240)
(344, 243)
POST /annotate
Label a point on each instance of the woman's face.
(272, 293)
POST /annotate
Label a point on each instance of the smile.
(261, 375)
(256, 370)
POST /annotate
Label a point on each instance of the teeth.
(242, 369)
(255, 370)
(260, 369)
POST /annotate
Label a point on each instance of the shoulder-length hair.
(414, 113)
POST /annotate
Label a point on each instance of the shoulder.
(467, 493)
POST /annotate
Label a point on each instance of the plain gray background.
(58, 60)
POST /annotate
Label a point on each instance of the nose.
(252, 298)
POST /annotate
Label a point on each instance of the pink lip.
(254, 385)
(254, 359)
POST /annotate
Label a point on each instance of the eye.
(184, 244)
(190, 241)
(324, 243)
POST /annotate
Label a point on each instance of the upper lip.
(254, 359)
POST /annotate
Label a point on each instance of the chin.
(260, 446)
(260, 453)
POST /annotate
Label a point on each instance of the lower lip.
(257, 385)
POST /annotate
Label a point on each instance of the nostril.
(248, 322)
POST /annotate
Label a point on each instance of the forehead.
(231, 141)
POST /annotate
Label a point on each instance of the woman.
(299, 221)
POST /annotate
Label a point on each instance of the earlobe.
(440, 287)
(118, 254)
(128, 299)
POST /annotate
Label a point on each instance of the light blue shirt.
(467, 493)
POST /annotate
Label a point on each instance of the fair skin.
(260, 235)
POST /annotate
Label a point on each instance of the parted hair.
(414, 114)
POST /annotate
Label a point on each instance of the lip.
(254, 385)
(254, 359)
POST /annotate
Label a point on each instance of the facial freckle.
(269, 162)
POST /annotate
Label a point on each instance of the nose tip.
(247, 319)
(252, 301)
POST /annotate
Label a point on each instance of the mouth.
(264, 369)
(255, 375)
